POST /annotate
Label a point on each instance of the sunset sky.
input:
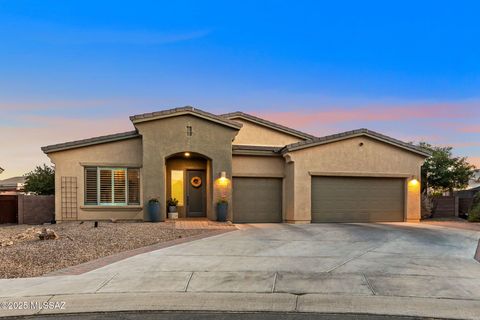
(76, 69)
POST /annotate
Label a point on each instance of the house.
(267, 172)
(14, 185)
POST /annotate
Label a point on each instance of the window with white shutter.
(91, 186)
(133, 186)
(112, 186)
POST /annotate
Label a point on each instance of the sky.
(76, 69)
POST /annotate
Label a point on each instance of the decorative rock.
(47, 234)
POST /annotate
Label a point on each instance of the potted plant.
(154, 210)
(172, 208)
(172, 204)
(222, 209)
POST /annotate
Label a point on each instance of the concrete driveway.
(331, 261)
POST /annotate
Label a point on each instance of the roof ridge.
(269, 123)
(172, 111)
(352, 133)
(90, 141)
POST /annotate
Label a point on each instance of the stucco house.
(267, 172)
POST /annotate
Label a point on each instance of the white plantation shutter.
(119, 186)
(91, 186)
(106, 186)
(112, 186)
(133, 186)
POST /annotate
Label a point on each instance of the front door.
(196, 185)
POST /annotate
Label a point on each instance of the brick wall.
(35, 209)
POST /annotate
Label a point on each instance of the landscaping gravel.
(24, 255)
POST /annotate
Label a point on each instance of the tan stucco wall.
(254, 134)
(346, 157)
(70, 163)
(165, 137)
(258, 166)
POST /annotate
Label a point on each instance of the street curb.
(253, 302)
(477, 253)
(104, 261)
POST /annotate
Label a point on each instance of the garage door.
(357, 199)
(257, 200)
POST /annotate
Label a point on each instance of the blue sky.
(73, 69)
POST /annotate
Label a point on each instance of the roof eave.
(294, 147)
(184, 111)
(85, 143)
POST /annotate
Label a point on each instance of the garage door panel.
(357, 199)
(257, 200)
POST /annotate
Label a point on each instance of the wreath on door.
(196, 182)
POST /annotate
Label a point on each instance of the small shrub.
(474, 213)
(172, 202)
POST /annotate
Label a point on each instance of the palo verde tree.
(41, 181)
(443, 172)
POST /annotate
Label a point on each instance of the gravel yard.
(78, 243)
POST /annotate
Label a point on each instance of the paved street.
(397, 263)
(220, 316)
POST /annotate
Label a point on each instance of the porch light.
(413, 181)
(223, 181)
(187, 154)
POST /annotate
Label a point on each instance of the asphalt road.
(161, 315)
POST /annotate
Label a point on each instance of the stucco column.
(153, 179)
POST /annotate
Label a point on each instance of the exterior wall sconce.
(223, 180)
(413, 181)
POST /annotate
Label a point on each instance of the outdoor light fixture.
(413, 181)
(187, 154)
(223, 181)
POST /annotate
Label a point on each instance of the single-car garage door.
(257, 200)
(357, 199)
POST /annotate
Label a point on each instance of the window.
(112, 186)
(189, 131)
(177, 185)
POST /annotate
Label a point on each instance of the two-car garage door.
(257, 200)
(357, 199)
(334, 199)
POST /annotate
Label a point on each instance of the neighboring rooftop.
(90, 141)
(12, 184)
(266, 123)
(355, 133)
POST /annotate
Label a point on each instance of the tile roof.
(351, 134)
(184, 110)
(270, 124)
(90, 141)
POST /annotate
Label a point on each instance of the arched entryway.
(188, 179)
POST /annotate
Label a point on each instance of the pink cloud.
(475, 161)
(369, 114)
(470, 129)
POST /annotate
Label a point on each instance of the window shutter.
(133, 186)
(91, 193)
(105, 186)
(119, 186)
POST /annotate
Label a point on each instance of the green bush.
(474, 214)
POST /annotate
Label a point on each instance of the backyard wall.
(35, 209)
